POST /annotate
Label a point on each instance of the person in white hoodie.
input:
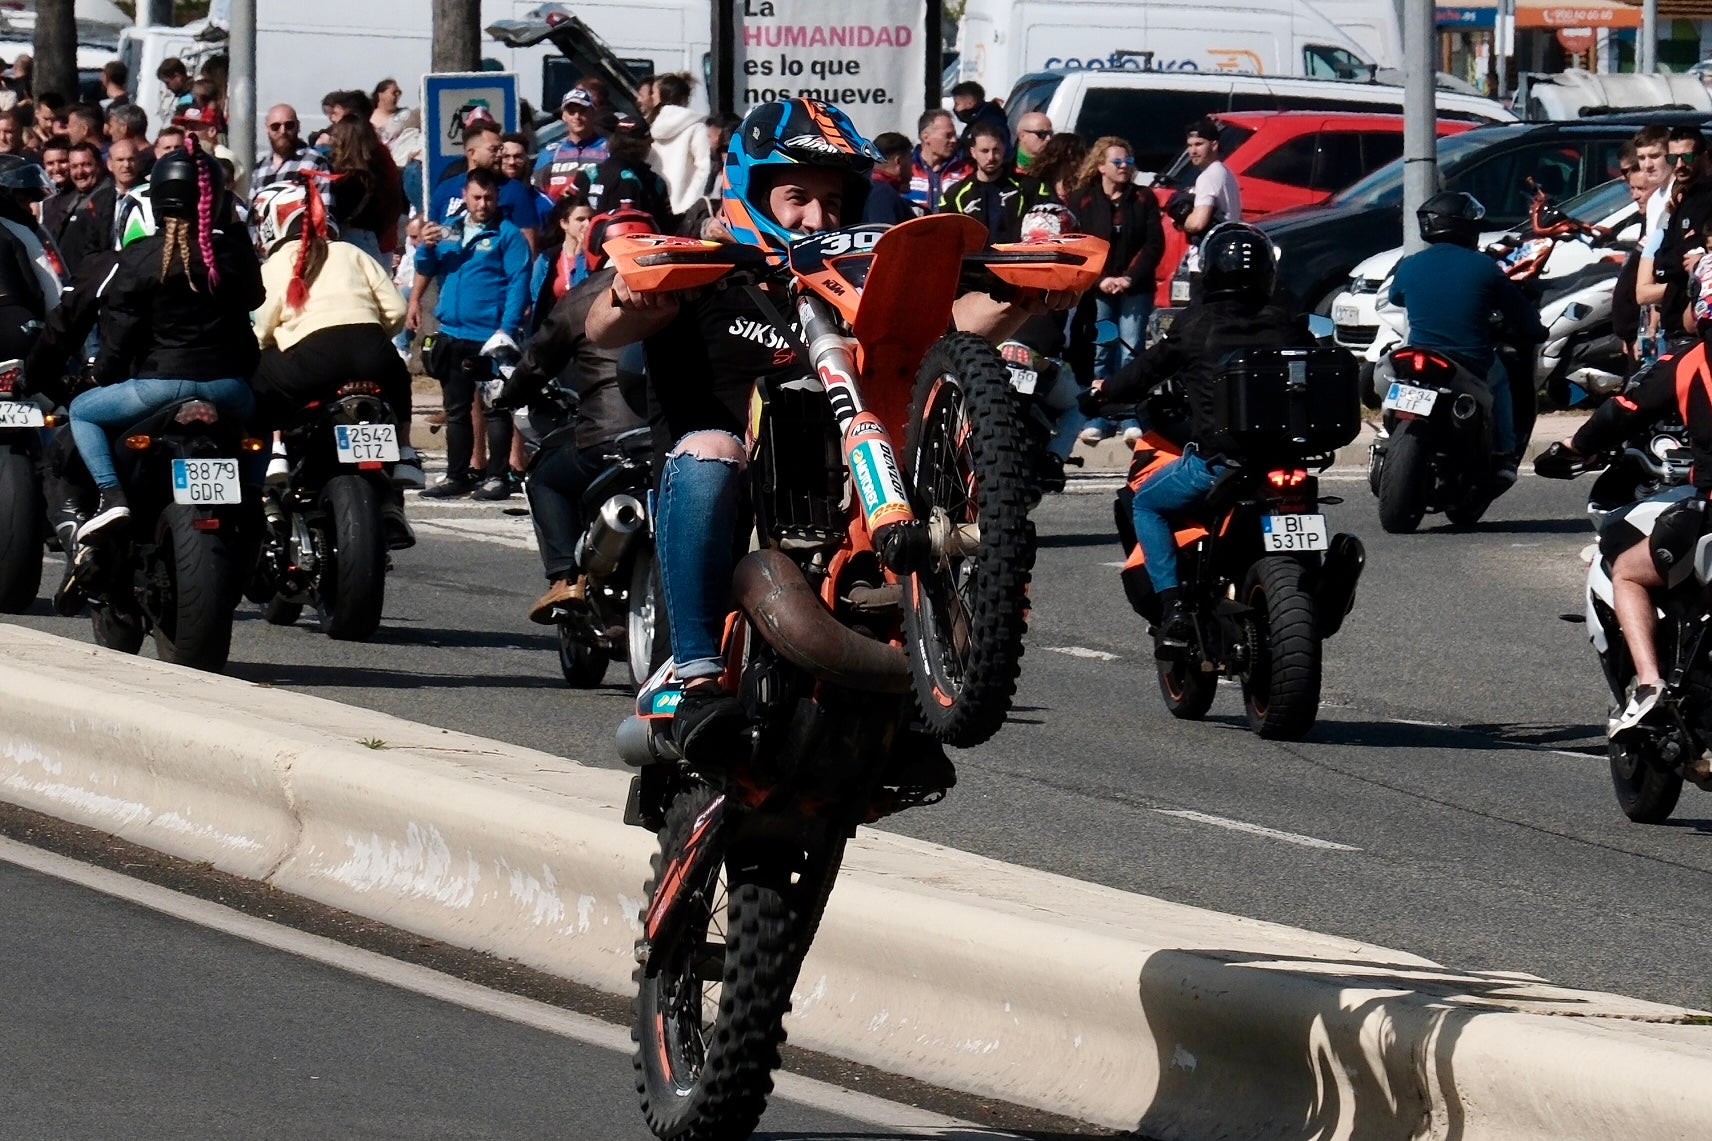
(681, 153)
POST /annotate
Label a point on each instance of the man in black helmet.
(1450, 291)
(1234, 312)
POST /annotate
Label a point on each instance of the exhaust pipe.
(609, 534)
(773, 592)
(1464, 407)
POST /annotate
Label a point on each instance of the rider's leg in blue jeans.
(115, 405)
(1503, 411)
(701, 486)
(1178, 485)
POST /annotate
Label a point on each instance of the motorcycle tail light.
(1287, 477)
(1420, 362)
(8, 381)
(197, 412)
(359, 388)
(209, 524)
(138, 443)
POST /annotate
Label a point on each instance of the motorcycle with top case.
(878, 616)
(1264, 579)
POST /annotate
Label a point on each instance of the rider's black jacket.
(1680, 384)
(180, 328)
(1196, 348)
(561, 351)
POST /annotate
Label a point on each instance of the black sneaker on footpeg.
(710, 728)
(1176, 632)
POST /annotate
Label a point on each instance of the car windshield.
(1384, 187)
(1599, 203)
(1181, 173)
(1032, 93)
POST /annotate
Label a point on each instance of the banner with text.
(873, 65)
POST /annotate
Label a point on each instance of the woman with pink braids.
(175, 320)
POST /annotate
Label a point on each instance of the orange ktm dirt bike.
(878, 615)
(1264, 580)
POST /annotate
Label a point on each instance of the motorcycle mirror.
(1105, 332)
(1321, 327)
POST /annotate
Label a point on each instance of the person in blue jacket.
(482, 151)
(482, 262)
(1450, 291)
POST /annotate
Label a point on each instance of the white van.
(1577, 92)
(999, 41)
(1372, 24)
(1151, 109)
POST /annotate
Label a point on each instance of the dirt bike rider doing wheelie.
(1682, 384)
(175, 321)
(1450, 290)
(795, 168)
(562, 468)
(1238, 274)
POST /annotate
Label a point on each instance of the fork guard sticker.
(878, 483)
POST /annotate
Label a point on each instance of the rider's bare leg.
(1633, 579)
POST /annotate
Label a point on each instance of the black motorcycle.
(327, 538)
(1264, 579)
(23, 517)
(176, 567)
(622, 617)
(1436, 452)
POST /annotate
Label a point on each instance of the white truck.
(306, 48)
(1000, 41)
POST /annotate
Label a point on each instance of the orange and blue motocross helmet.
(791, 132)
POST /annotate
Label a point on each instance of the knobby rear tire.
(1281, 690)
(195, 623)
(701, 1079)
(352, 593)
(22, 525)
(966, 453)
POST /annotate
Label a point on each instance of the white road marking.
(1256, 830)
(1120, 564)
(502, 532)
(420, 980)
(1084, 652)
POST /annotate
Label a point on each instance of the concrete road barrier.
(998, 980)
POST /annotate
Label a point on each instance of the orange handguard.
(663, 263)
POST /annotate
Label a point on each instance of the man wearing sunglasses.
(1033, 129)
(287, 152)
(1664, 276)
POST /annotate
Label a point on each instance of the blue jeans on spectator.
(100, 410)
(369, 242)
(695, 539)
(1129, 311)
(1174, 488)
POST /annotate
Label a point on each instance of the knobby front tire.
(966, 459)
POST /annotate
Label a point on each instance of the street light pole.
(1420, 110)
(241, 85)
(1646, 52)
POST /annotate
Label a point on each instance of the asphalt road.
(1453, 802)
(124, 1022)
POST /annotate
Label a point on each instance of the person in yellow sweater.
(329, 319)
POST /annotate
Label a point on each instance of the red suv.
(1283, 159)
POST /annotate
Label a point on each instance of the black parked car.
(1320, 245)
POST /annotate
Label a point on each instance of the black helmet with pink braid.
(187, 185)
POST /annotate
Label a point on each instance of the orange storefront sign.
(1547, 15)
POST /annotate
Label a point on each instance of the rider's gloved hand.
(519, 389)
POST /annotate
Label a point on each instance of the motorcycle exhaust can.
(609, 535)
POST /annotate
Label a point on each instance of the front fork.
(903, 542)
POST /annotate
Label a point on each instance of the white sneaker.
(1092, 435)
(1131, 434)
(407, 473)
(1642, 702)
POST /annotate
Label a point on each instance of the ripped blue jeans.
(695, 541)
